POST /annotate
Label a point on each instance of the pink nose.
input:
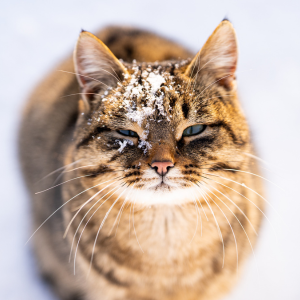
(162, 168)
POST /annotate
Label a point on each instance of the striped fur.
(138, 235)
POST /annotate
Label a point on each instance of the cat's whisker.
(248, 200)
(255, 157)
(193, 68)
(217, 224)
(117, 76)
(117, 218)
(255, 175)
(118, 79)
(271, 168)
(129, 217)
(59, 169)
(82, 219)
(235, 206)
(197, 223)
(237, 220)
(196, 75)
(121, 210)
(236, 247)
(77, 245)
(101, 225)
(84, 204)
(199, 69)
(218, 97)
(212, 84)
(81, 75)
(61, 184)
(78, 168)
(213, 163)
(78, 94)
(62, 207)
(61, 174)
(243, 185)
(134, 228)
(64, 171)
(202, 207)
(229, 74)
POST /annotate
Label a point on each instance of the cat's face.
(157, 129)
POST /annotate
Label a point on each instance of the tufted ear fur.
(95, 65)
(218, 57)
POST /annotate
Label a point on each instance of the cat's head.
(158, 129)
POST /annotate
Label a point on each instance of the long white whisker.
(196, 208)
(129, 217)
(78, 94)
(203, 210)
(235, 206)
(59, 169)
(84, 204)
(242, 184)
(217, 224)
(118, 78)
(84, 76)
(134, 228)
(117, 187)
(61, 184)
(212, 84)
(190, 79)
(236, 247)
(121, 210)
(256, 176)
(100, 227)
(60, 208)
(249, 201)
(78, 168)
(238, 222)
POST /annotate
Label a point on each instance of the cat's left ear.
(218, 57)
(95, 65)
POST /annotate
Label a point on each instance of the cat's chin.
(164, 194)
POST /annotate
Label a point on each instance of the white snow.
(123, 144)
(156, 81)
(145, 144)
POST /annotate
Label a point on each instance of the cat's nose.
(162, 167)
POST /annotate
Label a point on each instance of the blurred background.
(36, 35)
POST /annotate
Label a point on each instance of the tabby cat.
(140, 166)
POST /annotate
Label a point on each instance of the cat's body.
(161, 249)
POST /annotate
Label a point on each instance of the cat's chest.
(157, 236)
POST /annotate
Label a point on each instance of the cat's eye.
(128, 133)
(193, 130)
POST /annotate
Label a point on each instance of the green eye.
(193, 130)
(128, 133)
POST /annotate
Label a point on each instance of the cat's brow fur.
(166, 243)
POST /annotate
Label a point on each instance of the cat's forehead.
(151, 94)
(170, 66)
(148, 91)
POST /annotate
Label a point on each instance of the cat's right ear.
(218, 57)
(95, 65)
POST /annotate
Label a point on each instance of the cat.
(141, 169)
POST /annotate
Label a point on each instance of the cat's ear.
(95, 65)
(217, 57)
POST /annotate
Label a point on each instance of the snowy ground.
(35, 35)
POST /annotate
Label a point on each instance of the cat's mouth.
(166, 184)
(162, 192)
(163, 186)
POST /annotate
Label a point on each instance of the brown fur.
(156, 252)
